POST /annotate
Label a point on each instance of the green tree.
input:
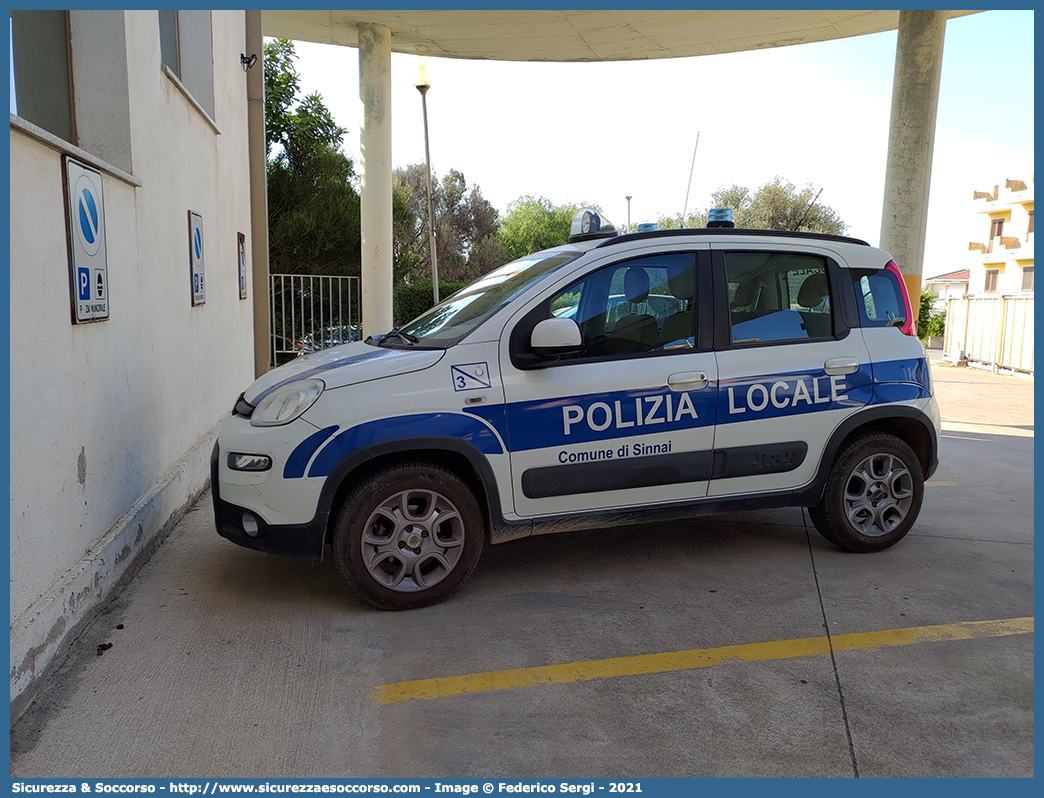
(777, 205)
(466, 227)
(313, 204)
(929, 323)
(534, 223)
(295, 127)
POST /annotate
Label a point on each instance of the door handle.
(687, 380)
(841, 365)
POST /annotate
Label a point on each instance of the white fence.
(309, 312)
(994, 331)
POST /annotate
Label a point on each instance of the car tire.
(872, 496)
(408, 536)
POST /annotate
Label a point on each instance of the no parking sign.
(199, 289)
(88, 263)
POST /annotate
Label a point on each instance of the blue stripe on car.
(320, 369)
(524, 426)
(913, 370)
(297, 462)
(425, 425)
(541, 423)
(494, 415)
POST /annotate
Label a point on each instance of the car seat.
(681, 281)
(813, 293)
(635, 332)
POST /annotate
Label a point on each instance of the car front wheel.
(408, 536)
(873, 494)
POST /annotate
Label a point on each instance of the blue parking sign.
(88, 262)
(83, 280)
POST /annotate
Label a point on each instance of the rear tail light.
(909, 326)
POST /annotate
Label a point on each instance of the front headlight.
(286, 403)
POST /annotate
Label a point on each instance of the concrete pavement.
(227, 662)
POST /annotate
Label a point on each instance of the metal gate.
(995, 331)
(310, 312)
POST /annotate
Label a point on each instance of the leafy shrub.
(929, 323)
(412, 300)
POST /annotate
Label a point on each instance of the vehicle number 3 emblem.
(470, 376)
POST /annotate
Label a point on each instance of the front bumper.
(298, 540)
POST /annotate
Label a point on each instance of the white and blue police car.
(617, 379)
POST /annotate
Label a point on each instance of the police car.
(617, 379)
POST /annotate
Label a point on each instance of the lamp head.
(422, 82)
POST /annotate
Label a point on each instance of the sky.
(813, 114)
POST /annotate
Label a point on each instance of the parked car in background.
(326, 337)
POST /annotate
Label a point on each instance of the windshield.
(452, 319)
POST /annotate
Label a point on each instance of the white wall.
(111, 422)
(945, 291)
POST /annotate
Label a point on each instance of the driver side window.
(636, 306)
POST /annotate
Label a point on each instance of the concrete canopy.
(599, 35)
(581, 35)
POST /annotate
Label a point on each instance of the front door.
(629, 420)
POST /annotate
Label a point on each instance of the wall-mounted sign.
(199, 292)
(88, 263)
(242, 266)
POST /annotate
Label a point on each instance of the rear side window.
(879, 297)
(778, 296)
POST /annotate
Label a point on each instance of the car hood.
(338, 366)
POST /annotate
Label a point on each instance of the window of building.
(1029, 228)
(41, 82)
(69, 76)
(1027, 279)
(996, 228)
(991, 280)
(187, 50)
(778, 296)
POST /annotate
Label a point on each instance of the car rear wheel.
(873, 494)
(408, 536)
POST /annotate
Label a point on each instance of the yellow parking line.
(423, 689)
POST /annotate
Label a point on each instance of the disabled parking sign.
(88, 262)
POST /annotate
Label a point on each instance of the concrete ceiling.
(581, 35)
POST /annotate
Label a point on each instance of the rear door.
(789, 366)
(629, 420)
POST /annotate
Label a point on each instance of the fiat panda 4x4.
(619, 379)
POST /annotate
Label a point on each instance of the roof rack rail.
(727, 231)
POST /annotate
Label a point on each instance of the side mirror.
(554, 337)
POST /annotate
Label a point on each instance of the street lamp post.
(628, 213)
(423, 84)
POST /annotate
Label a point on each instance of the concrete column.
(376, 177)
(258, 193)
(911, 137)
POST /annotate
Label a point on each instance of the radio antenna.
(685, 207)
(813, 202)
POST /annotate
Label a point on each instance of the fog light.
(249, 462)
(250, 525)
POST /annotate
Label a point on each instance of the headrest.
(636, 284)
(745, 293)
(681, 280)
(813, 290)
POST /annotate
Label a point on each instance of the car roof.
(729, 232)
(854, 252)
